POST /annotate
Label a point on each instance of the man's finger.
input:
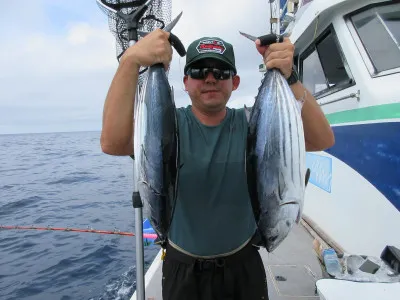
(278, 46)
(283, 54)
(276, 63)
(286, 44)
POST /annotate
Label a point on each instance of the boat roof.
(308, 13)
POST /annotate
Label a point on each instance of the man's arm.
(318, 133)
(118, 126)
(117, 132)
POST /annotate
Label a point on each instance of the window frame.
(329, 31)
(359, 43)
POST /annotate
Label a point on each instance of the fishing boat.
(348, 55)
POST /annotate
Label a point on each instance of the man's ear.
(185, 79)
(235, 82)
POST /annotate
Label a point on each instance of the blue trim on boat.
(373, 150)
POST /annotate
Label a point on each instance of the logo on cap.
(206, 46)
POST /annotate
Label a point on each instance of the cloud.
(52, 81)
(82, 48)
(58, 60)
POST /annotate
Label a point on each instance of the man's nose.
(210, 77)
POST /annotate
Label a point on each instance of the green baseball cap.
(210, 47)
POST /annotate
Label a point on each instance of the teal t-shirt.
(213, 213)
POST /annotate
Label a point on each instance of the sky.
(58, 58)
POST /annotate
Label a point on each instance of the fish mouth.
(279, 233)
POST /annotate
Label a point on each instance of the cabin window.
(379, 30)
(323, 67)
(313, 74)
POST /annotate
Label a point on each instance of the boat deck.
(292, 270)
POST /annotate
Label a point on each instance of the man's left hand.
(278, 55)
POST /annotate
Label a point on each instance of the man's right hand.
(152, 49)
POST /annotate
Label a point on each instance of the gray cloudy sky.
(57, 58)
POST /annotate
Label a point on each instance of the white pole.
(137, 201)
(140, 290)
(278, 19)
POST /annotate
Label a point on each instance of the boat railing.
(352, 95)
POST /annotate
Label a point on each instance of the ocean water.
(64, 180)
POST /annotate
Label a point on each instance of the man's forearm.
(317, 131)
(117, 129)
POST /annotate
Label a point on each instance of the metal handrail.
(352, 95)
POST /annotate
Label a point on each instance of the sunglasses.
(201, 73)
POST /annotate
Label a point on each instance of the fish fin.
(299, 105)
(281, 185)
(247, 112)
(172, 95)
(308, 173)
(250, 37)
(265, 40)
(171, 25)
(299, 215)
(300, 102)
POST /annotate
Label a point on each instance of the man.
(210, 253)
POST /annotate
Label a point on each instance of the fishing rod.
(152, 236)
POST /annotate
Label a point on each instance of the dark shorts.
(240, 276)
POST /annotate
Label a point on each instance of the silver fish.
(275, 159)
(156, 145)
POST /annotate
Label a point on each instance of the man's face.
(210, 94)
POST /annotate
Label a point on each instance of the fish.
(275, 159)
(156, 144)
